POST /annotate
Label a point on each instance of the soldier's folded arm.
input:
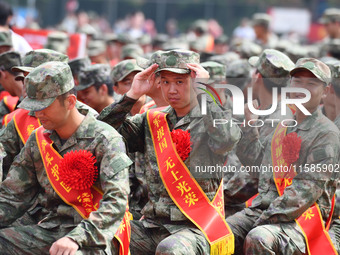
(131, 128)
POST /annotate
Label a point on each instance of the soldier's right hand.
(142, 82)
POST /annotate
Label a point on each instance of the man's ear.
(331, 89)
(326, 90)
(103, 89)
(71, 101)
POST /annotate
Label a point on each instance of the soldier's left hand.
(65, 246)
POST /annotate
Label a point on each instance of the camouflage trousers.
(33, 240)
(158, 240)
(334, 233)
(266, 239)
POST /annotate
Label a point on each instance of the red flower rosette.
(181, 139)
(78, 171)
(291, 146)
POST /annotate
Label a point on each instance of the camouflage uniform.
(27, 180)
(264, 19)
(6, 38)
(165, 229)
(58, 41)
(131, 51)
(268, 226)
(96, 48)
(96, 74)
(77, 65)
(7, 61)
(243, 186)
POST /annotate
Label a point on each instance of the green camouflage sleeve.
(3, 111)
(222, 137)
(18, 190)
(12, 144)
(132, 129)
(308, 186)
(103, 223)
(250, 149)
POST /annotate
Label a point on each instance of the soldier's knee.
(173, 246)
(259, 236)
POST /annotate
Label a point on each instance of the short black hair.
(63, 97)
(5, 12)
(109, 86)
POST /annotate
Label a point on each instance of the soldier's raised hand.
(142, 82)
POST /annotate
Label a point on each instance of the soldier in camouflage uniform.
(261, 26)
(95, 86)
(9, 136)
(164, 229)
(268, 226)
(58, 41)
(331, 21)
(5, 41)
(96, 50)
(131, 51)
(59, 229)
(78, 65)
(335, 90)
(272, 71)
(9, 83)
(122, 75)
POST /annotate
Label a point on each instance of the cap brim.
(81, 87)
(295, 70)
(174, 70)
(253, 61)
(131, 71)
(143, 62)
(36, 104)
(22, 69)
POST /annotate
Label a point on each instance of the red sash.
(51, 159)
(25, 124)
(185, 192)
(11, 102)
(8, 117)
(310, 222)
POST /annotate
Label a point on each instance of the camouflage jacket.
(4, 110)
(12, 143)
(248, 148)
(320, 145)
(209, 145)
(337, 121)
(27, 181)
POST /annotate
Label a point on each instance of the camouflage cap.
(201, 25)
(316, 67)
(124, 38)
(225, 59)
(9, 59)
(6, 38)
(334, 66)
(175, 43)
(58, 41)
(144, 39)
(216, 71)
(174, 60)
(96, 47)
(239, 73)
(96, 74)
(333, 47)
(222, 39)
(45, 83)
(159, 40)
(35, 58)
(330, 15)
(87, 29)
(78, 64)
(261, 19)
(123, 69)
(247, 49)
(273, 65)
(131, 51)
(238, 68)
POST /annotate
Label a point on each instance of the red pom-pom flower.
(78, 171)
(182, 142)
(291, 146)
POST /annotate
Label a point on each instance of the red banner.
(38, 38)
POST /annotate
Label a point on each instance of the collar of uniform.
(85, 130)
(337, 121)
(308, 122)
